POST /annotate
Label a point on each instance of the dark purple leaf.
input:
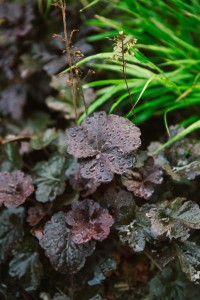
(105, 145)
(181, 159)
(119, 203)
(11, 230)
(140, 180)
(174, 219)
(15, 187)
(11, 12)
(13, 100)
(55, 65)
(89, 220)
(37, 213)
(87, 186)
(64, 254)
(17, 21)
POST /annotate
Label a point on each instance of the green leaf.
(170, 285)
(188, 213)
(38, 122)
(10, 159)
(11, 230)
(26, 265)
(138, 231)
(49, 176)
(43, 139)
(189, 257)
(173, 219)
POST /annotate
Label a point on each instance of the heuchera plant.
(127, 202)
(86, 205)
(105, 146)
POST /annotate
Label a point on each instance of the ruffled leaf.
(50, 178)
(138, 231)
(86, 185)
(65, 255)
(181, 159)
(15, 187)
(44, 139)
(140, 181)
(104, 144)
(189, 257)
(174, 219)
(37, 213)
(89, 220)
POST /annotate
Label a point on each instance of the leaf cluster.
(78, 200)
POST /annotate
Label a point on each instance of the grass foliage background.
(164, 72)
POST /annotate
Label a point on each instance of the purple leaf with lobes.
(89, 220)
(65, 255)
(140, 180)
(15, 187)
(104, 144)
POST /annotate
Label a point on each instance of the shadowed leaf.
(189, 257)
(44, 139)
(13, 100)
(138, 231)
(65, 255)
(37, 213)
(119, 203)
(86, 185)
(26, 265)
(11, 230)
(63, 101)
(171, 284)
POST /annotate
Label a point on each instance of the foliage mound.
(95, 203)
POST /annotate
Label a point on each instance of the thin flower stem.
(124, 76)
(80, 86)
(124, 73)
(67, 48)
